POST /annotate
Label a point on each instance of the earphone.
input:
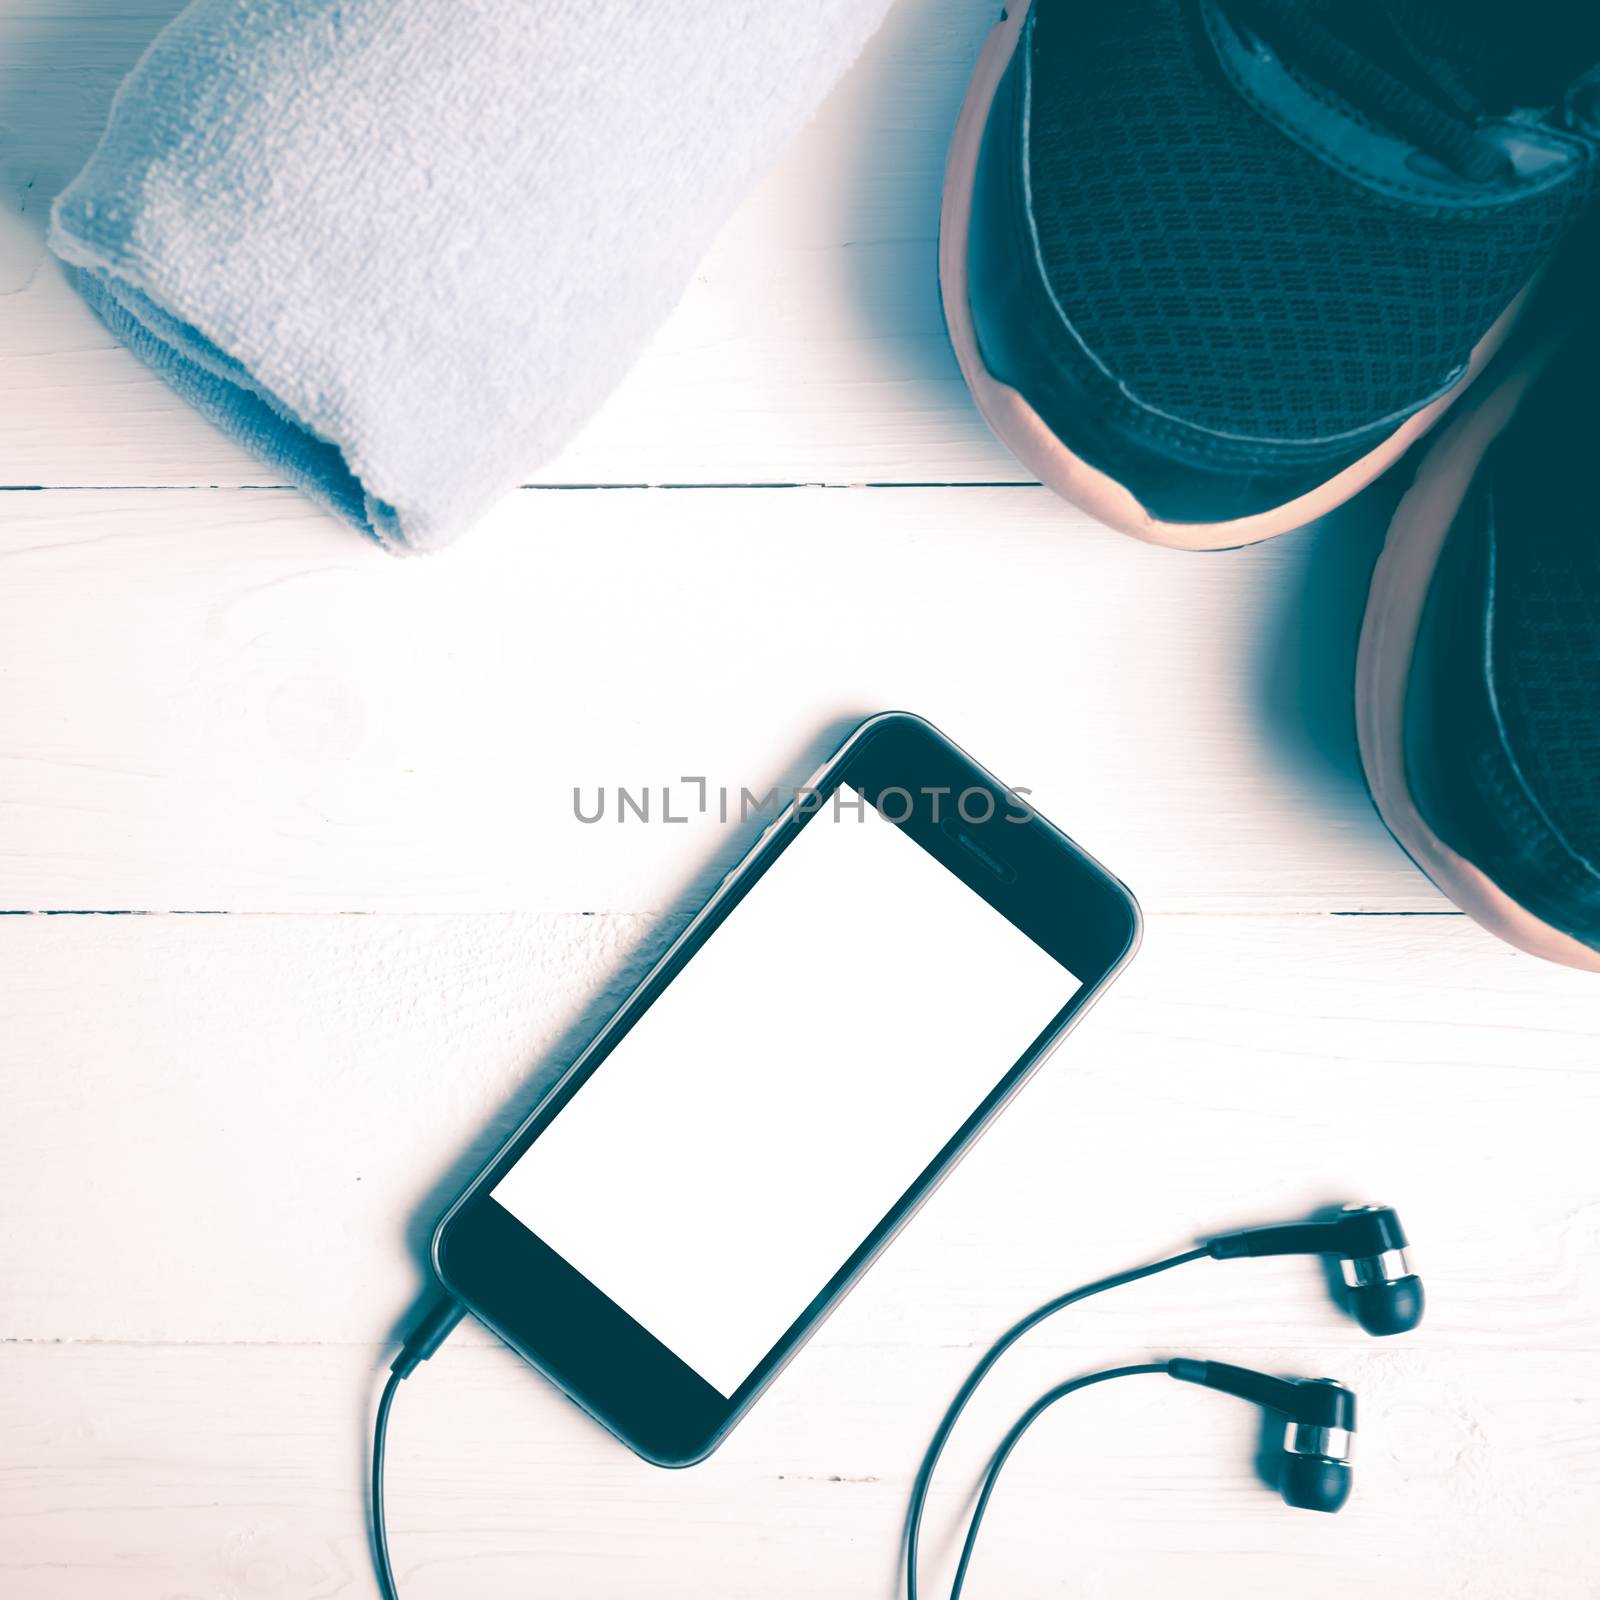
(1379, 1290)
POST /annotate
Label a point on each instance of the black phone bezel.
(1016, 860)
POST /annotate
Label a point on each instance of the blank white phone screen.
(784, 1090)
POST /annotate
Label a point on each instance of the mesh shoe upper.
(1223, 274)
(1544, 599)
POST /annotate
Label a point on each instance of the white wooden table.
(297, 914)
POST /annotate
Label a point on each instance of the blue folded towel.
(403, 249)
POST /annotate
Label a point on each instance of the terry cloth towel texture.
(403, 249)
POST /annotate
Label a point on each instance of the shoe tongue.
(1505, 53)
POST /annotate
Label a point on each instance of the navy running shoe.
(1478, 675)
(1210, 266)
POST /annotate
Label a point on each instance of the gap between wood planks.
(541, 488)
(194, 911)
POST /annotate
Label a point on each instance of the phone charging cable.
(432, 1329)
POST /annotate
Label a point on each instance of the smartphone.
(906, 942)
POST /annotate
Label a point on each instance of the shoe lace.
(1437, 115)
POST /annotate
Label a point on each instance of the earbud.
(1381, 1291)
(1320, 1414)
(1313, 1482)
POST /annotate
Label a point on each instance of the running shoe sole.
(1401, 582)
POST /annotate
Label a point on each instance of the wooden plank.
(809, 347)
(222, 701)
(245, 1127)
(142, 1473)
